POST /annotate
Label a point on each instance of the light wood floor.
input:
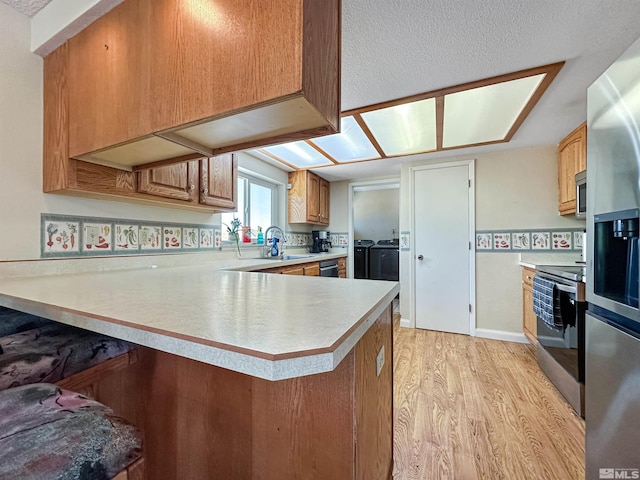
(472, 408)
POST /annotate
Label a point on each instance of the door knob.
(420, 257)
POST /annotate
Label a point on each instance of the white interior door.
(441, 249)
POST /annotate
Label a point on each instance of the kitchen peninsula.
(240, 374)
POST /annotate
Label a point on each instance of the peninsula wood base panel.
(201, 421)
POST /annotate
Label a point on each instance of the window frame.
(249, 179)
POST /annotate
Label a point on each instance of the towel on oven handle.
(546, 302)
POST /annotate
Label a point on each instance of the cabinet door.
(529, 318)
(219, 181)
(110, 81)
(312, 270)
(529, 321)
(313, 198)
(572, 158)
(177, 181)
(294, 270)
(323, 202)
(342, 267)
(308, 198)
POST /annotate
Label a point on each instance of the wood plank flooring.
(472, 408)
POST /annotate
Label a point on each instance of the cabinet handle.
(192, 187)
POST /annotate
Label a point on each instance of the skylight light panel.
(404, 129)
(486, 114)
(350, 144)
(299, 154)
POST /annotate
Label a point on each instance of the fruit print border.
(77, 247)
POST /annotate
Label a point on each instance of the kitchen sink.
(295, 257)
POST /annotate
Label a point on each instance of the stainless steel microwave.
(581, 194)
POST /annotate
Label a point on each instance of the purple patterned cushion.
(53, 352)
(47, 433)
(13, 321)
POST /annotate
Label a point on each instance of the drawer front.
(527, 276)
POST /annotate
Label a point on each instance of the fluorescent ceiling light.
(298, 154)
(486, 114)
(475, 113)
(351, 144)
(404, 129)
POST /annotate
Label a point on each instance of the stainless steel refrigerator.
(612, 380)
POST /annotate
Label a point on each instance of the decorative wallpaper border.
(533, 240)
(303, 239)
(76, 236)
(68, 236)
(405, 241)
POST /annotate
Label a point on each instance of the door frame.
(472, 234)
(382, 184)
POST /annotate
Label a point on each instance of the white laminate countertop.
(265, 325)
(554, 264)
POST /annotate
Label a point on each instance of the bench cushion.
(48, 432)
(53, 352)
(13, 321)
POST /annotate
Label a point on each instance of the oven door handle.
(566, 288)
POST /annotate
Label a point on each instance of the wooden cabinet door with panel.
(572, 158)
(293, 270)
(308, 198)
(312, 270)
(313, 197)
(219, 181)
(342, 267)
(176, 181)
(323, 202)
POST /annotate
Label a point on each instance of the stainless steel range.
(561, 345)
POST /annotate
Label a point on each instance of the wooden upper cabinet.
(572, 158)
(219, 181)
(153, 80)
(323, 204)
(177, 181)
(313, 198)
(308, 198)
(209, 181)
(109, 78)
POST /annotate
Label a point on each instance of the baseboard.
(405, 322)
(501, 335)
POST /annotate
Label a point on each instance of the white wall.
(515, 189)
(338, 206)
(376, 214)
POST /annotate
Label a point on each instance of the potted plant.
(233, 231)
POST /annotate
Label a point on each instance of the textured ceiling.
(28, 7)
(395, 48)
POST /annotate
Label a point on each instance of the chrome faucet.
(268, 242)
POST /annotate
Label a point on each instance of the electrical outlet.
(380, 361)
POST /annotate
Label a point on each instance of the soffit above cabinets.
(478, 113)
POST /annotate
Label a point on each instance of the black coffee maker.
(315, 241)
(320, 241)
